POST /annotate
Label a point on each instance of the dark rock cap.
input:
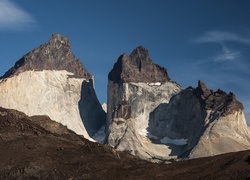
(138, 67)
(55, 55)
(218, 101)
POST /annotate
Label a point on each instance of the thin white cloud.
(227, 55)
(13, 17)
(220, 37)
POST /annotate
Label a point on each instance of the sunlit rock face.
(49, 80)
(225, 128)
(152, 117)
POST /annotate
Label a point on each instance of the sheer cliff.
(136, 86)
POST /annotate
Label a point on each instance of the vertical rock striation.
(49, 80)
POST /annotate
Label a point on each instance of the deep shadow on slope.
(38, 148)
(91, 112)
(181, 118)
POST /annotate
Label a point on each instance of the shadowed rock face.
(55, 55)
(138, 67)
(211, 122)
(91, 112)
(218, 101)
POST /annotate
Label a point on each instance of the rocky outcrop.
(152, 117)
(136, 87)
(138, 67)
(54, 55)
(49, 80)
(225, 127)
(219, 101)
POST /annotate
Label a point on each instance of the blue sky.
(206, 40)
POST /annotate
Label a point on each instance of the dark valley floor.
(39, 148)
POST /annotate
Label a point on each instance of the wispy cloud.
(220, 37)
(13, 17)
(227, 55)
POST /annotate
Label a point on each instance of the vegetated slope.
(37, 147)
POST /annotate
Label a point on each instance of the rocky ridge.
(137, 67)
(218, 101)
(54, 55)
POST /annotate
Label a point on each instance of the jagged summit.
(55, 55)
(58, 40)
(138, 67)
(140, 54)
(218, 101)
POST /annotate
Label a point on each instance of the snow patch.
(145, 133)
(154, 84)
(104, 107)
(167, 140)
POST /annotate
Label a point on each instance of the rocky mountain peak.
(218, 101)
(54, 55)
(140, 54)
(58, 41)
(202, 91)
(138, 67)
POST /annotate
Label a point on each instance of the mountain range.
(147, 115)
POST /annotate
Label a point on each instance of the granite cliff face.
(154, 118)
(49, 80)
(136, 87)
